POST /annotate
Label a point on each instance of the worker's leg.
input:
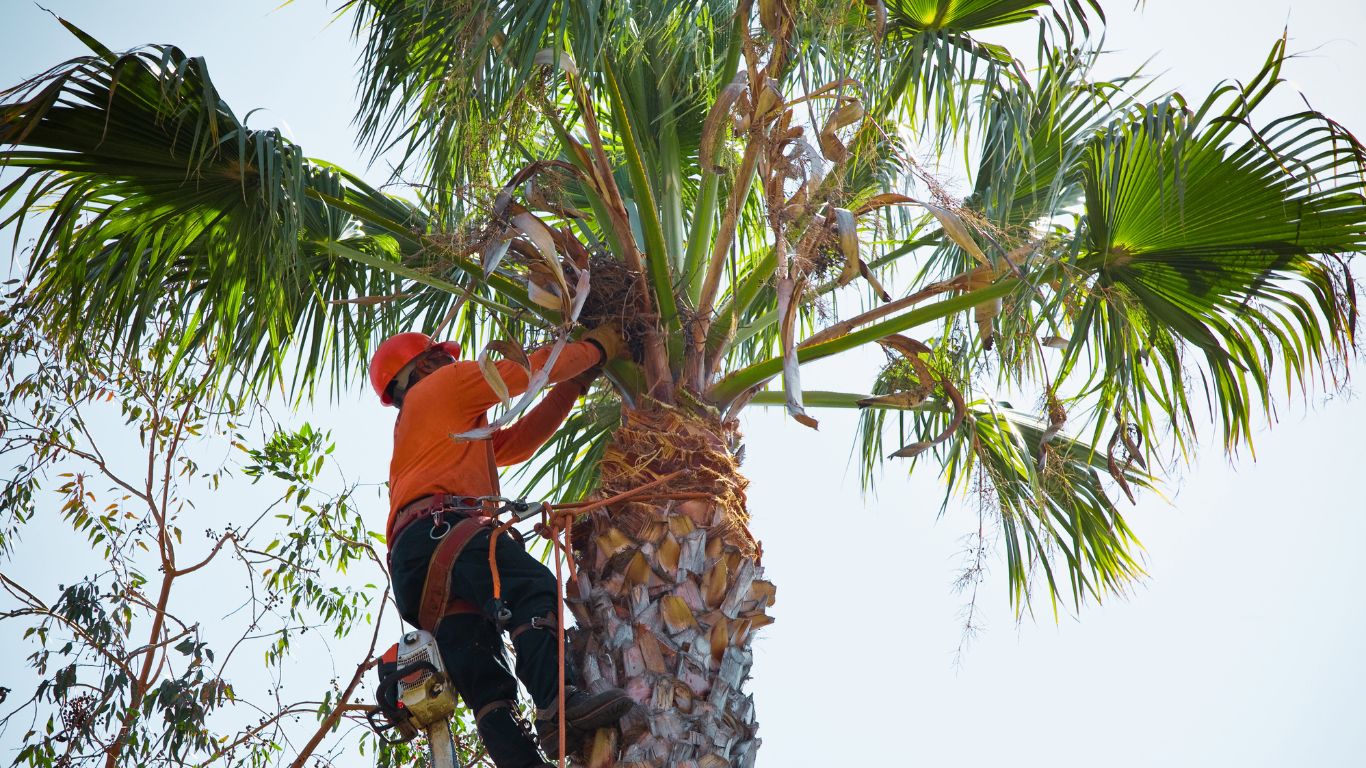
(472, 652)
(528, 588)
(530, 591)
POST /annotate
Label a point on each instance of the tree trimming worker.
(438, 533)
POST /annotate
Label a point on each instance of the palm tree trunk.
(669, 597)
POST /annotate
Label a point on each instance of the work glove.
(608, 339)
(586, 379)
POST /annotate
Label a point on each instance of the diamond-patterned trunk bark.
(669, 598)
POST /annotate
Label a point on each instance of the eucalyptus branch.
(264, 556)
(172, 451)
(96, 457)
(212, 554)
(141, 683)
(162, 643)
(253, 731)
(335, 715)
(39, 608)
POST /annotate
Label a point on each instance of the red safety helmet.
(397, 351)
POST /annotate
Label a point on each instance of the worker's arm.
(517, 442)
(466, 382)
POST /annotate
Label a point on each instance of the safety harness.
(456, 520)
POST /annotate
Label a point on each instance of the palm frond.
(162, 206)
(1224, 248)
(1041, 491)
(166, 217)
(567, 466)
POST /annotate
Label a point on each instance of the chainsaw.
(415, 696)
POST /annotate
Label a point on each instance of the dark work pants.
(471, 646)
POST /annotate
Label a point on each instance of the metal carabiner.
(501, 502)
(522, 509)
(438, 521)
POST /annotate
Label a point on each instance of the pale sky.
(1243, 648)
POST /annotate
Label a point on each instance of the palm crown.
(738, 187)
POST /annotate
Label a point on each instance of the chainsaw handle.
(389, 683)
(383, 728)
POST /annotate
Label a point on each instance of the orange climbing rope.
(559, 632)
(493, 563)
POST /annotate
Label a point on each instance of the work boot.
(586, 712)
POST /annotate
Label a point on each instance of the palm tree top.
(744, 187)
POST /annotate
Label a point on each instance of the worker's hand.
(586, 379)
(608, 339)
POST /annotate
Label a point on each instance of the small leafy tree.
(149, 640)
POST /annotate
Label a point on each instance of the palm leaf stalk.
(725, 173)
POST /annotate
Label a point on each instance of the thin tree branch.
(335, 715)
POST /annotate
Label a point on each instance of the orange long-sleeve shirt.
(455, 399)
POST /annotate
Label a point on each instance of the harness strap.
(436, 592)
(458, 606)
(538, 622)
(494, 706)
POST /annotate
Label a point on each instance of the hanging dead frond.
(722, 111)
(848, 113)
(846, 229)
(926, 382)
(792, 384)
(879, 18)
(1057, 418)
(560, 59)
(1125, 434)
(540, 377)
(958, 231)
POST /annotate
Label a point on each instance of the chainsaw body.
(414, 694)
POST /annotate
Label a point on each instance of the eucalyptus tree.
(744, 188)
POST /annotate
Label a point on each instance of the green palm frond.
(1226, 249)
(164, 206)
(1034, 139)
(165, 209)
(436, 80)
(566, 467)
(1059, 520)
(1055, 516)
(933, 69)
(910, 17)
(448, 83)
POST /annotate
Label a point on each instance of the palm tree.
(738, 186)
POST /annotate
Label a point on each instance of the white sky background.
(1244, 647)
